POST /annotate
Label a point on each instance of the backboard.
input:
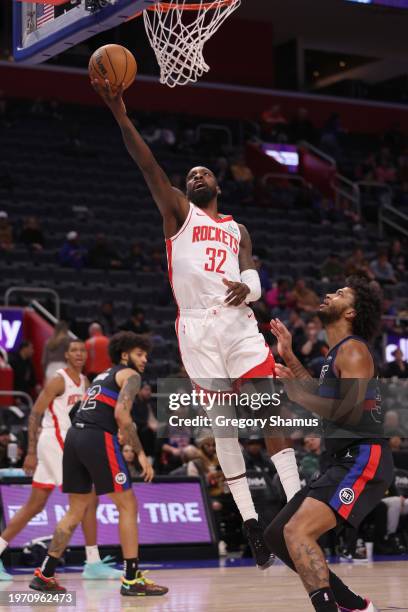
(41, 31)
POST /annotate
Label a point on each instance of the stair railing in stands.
(391, 216)
(48, 316)
(21, 394)
(342, 186)
(36, 290)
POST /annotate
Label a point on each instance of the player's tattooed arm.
(52, 389)
(130, 387)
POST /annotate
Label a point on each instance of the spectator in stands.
(274, 124)
(156, 262)
(398, 257)
(395, 139)
(31, 235)
(144, 415)
(4, 442)
(102, 255)
(332, 268)
(301, 128)
(98, 358)
(222, 170)
(208, 465)
(296, 326)
(263, 273)
(54, 350)
(72, 254)
(244, 179)
(136, 323)
(107, 318)
(331, 133)
(399, 454)
(256, 457)
(22, 364)
(6, 232)
(38, 108)
(358, 264)
(385, 172)
(278, 298)
(312, 350)
(398, 367)
(137, 260)
(382, 269)
(129, 456)
(304, 298)
(366, 171)
(310, 462)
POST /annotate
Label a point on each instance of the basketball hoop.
(178, 30)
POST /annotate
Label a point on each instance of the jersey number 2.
(90, 403)
(215, 257)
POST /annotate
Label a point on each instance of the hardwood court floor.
(230, 590)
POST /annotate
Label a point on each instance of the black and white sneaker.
(261, 553)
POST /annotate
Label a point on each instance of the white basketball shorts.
(48, 473)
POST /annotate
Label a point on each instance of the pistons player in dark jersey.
(360, 466)
(92, 458)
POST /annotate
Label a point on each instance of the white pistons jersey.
(202, 253)
(57, 414)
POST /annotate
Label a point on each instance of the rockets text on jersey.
(200, 256)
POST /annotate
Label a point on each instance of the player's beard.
(329, 316)
(132, 366)
(202, 197)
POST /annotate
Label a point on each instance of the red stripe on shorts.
(56, 425)
(361, 483)
(113, 462)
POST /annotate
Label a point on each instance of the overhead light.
(316, 74)
(342, 64)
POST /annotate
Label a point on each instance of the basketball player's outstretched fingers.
(282, 371)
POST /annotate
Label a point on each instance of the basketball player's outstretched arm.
(52, 389)
(129, 382)
(171, 202)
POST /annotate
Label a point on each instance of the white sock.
(3, 545)
(242, 496)
(92, 554)
(286, 466)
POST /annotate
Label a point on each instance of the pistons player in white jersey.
(44, 459)
(213, 277)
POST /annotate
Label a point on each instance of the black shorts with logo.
(93, 457)
(355, 482)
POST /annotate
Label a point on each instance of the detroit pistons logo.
(120, 478)
(346, 496)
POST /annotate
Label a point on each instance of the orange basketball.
(115, 63)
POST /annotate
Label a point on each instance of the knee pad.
(229, 455)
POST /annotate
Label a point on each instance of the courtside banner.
(11, 328)
(169, 513)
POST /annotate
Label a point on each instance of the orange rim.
(171, 6)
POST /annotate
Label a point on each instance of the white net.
(178, 31)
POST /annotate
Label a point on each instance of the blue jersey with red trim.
(339, 433)
(98, 405)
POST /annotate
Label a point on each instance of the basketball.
(115, 63)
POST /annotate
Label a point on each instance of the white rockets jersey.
(202, 253)
(57, 413)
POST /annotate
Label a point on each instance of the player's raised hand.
(283, 336)
(147, 470)
(30, 463)
(283, 372)
(112, 97)
(236, 293)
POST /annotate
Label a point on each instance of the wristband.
(251, 280)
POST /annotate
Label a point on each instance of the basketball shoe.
(46, 585)
(141, 586)
(101, 570)
(370, 608)
(261, 553)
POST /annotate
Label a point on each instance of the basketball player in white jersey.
(44, 458)
(213, 278)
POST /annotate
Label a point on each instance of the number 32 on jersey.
(216, 260)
